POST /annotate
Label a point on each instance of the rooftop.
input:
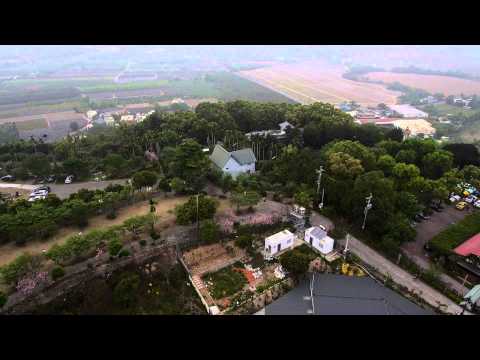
(471, 246)
(279, 236)
(343, 295)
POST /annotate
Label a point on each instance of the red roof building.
(471, 246)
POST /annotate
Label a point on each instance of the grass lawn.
(111, 86)
(226, 282)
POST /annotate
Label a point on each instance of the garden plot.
(267, 212)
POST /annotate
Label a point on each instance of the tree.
(115, 165)
(74, 126)
(190, 164)
(342, 165)
(187, 213)
(395, 134)
(76, 167)
(144, 179)
(464, 154)
(38, 164)
(244, 241)
(406, 156)
(114, 246)
(245, 198)
(404, 173)
(435, 164)
(295, 262)
(209, 231)
(386, 164)
(303, 198)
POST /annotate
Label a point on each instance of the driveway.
(426, 230)
(400, 276)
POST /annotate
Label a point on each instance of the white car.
(471, 199)
(477, 204)
(39, 193)
(69, 179)
(35, 198)
(455, 198)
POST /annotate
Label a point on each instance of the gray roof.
(244, 156)
(344, 295)
(220, 156)
(318, 233)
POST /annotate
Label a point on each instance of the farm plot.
(310, 82)
(446, 85)
(125, 94)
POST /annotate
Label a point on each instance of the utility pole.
(319, 180)
(345, 251)
(320, 206)
(368, 206)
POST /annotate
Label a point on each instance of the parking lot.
(427, 229)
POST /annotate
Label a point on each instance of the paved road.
(65, 190)
(400, 276)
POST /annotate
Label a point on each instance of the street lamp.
(368, 206)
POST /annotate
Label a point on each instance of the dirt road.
(400, 276)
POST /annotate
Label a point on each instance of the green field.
(38, 108)
(33, 124)
(445, 109)
(111, 86)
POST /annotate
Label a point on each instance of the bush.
(143, 242)
(209, 232)
(226, 282)
(57, 273)
(125, 291)
(123, 253)
(3, 299)
(19, 267)
(111, 215)
(154, 235)
(244, 241)
(187, 213)
(114, 246)
(295, 262)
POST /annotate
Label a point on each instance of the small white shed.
(278, 242)
(319, 240)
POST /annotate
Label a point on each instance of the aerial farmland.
(314, 81)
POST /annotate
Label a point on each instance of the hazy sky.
(49, 58)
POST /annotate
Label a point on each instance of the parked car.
(423, 217)
(461, 205)
(455, 198)
(8, 178)
(43, 187)
(39, 193)
(37, 197)
(471, 199)
(51, 179)
(477, 204)
(417, 218)
(69, 179)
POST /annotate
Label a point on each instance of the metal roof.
(343, 295)
(220, 156)
(470, 246)
(244, 156)
(473, 294)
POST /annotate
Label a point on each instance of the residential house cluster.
(130, 114)
(278, 134)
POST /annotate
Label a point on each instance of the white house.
(284, 125)
(319, 240)
(235, 162)
(278, 242)
(109, 120)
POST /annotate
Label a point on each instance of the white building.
(318, 239)
(278, 242)
(109, 120)
(91, 114)
(284, 125)
(235, 162)
(408, 111)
